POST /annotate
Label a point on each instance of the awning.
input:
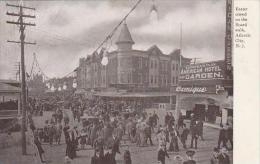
(80, 91)
(6, 88)
(135, 94)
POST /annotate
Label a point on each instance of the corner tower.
(125, 57)
(125, 41)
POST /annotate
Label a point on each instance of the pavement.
(140, 155)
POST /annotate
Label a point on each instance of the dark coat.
(222, 134)
(97, 160)
(38, 145)
(223, 159)
(109, 158)
(185, 134)
(161, 156)
(189, 162)
(127, 157)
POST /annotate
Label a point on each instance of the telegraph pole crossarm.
(18, 15)
(32, 43)
(18, 23)
(18, 6)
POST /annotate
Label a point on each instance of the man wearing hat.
(194, 131)
(98, 158)
(109, 157)
(190, 154)
(162, 153)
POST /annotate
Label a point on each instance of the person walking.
(214, 157)
(222, 137)
(127, 156)
(148, 134)
(200, 129)
(97, 158)
(155, 119)
(194, 133)
(230, 135)
(184, 136)
(190, 154)
(39, 148)
(162, 153)
(109, 157)
(223, 156)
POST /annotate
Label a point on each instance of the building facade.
(129, 69)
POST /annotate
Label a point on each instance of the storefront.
(9, 100)
(204, 91)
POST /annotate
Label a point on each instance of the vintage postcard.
(120, 81)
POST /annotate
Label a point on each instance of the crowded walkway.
(94, 130)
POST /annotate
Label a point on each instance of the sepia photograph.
(116, 81)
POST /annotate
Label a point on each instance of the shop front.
(204, 91)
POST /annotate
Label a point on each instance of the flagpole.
(177, 110)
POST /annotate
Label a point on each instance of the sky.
(68, 30)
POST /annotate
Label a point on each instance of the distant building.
(10, 95)
(147, 72)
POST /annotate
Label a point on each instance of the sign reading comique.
(217, 89)
(204, 71)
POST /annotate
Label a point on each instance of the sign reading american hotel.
(203, 71)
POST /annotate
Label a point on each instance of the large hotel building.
(130, 73)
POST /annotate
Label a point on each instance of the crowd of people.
(106, 127)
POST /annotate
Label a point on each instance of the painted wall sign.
(217, 89)
(203, 71)
(191, 89)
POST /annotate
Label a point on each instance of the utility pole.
(22, 26)
(18, 71)
(195, 60)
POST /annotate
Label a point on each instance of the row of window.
(153, 65)
(164, 79)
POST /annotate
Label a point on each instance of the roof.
(10, 82)
(155, 49)
(8, 88)
(125, 36)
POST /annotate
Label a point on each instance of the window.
(177, 67)
(173, 66)
(151, 63)
(155, 79)
(140, 79)
(129, 78)
(155, 64)
(173, 80)
(165, 65)
(139, 62)
(151, 78)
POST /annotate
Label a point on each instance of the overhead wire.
(117, 26)
(108, 38)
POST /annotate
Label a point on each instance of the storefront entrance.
(212, 113)
(200, 111)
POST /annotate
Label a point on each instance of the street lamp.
(104, 60)
(52, 88)
(48, 85)
(74, 85)
(64, 86)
